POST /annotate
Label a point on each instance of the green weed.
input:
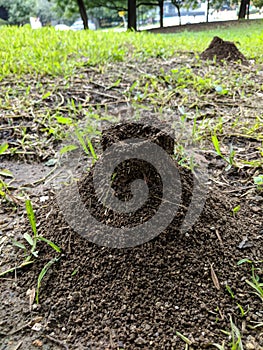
(242, 311)
(258, 181)
(256, 284)
(235, 338)
(42, 274)
(230, 292)
(236, 209)
(230, 158)
(186, 340)
(32, 240)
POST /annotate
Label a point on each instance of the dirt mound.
(136, 159)
(223, 50)
(138, 298)
(123, 131)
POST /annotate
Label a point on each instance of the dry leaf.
(219, 237)
(214, 278)
(31, 293)
(37, 327)
(38, 343)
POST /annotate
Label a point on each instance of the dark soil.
(97, 297)
(223, 50)
(138, 298)
(128, 130)
(195, 27)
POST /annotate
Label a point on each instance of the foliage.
(19, 11)
(68, 50)
(70, 7)
(46, 11)
(258, 3)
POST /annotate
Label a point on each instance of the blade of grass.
(50, 243)
(42, 274)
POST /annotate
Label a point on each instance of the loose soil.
(96, 297)
(223, 50)
(140, 297)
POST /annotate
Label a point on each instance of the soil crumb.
(223, 50)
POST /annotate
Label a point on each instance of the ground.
(182, 289)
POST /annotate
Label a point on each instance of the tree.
(70, 8)
(258, 3)
(178, 4)
(83, 13)
(19, 11)
(244, 9)
(160, 4)
(46, 11)
(132, 15)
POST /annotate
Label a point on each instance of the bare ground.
(138, 298)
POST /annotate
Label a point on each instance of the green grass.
(47, 51)
(48, 96)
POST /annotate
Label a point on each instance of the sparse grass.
(31, 240)
(47, 51)
(234, 336)
(58, 86)
(256, 284)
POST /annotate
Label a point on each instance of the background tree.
(244, 9)
(46, 11)
(132, 15)
(19, 11)
(258, 3)
(83, 13)
(114, 6)
(178, 4)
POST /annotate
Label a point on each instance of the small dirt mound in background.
(223, 50)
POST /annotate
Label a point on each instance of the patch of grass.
(47, 51)
(32, 241)
(229, 158)
(42, 274)
(235, 338)
(256, 284)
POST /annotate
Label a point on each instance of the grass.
(31, 254)
(47, 64)
(61, 86)
(47, 51)
(235, 338)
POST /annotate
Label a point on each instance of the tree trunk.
(248, 4)
(207, 9)
(243, 9)
(161, 13)
(179, 13)
(83, 13)
(132, 15)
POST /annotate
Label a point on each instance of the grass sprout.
(32, 241)
(235, 338)
(42, 274)
(256, 284)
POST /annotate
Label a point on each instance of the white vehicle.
(78, 25)
(62, 27)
